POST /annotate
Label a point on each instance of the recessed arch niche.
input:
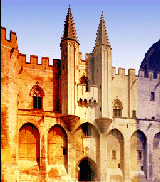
(57, 146)
(115, 150)
(29, 143)
(138, 152)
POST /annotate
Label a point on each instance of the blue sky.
(133, 26)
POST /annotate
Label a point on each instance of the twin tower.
(96, 70)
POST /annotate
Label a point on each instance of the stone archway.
(115, 150)
(87, 170)
(57, 146)
(138, 152)
(29, 143)
(29, 153)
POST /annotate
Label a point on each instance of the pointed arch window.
(117, 108)
(37, 93)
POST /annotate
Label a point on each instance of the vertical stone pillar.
(43, 155)
(103, 158)
(127, 166)
(12, 105)
(71, 155)
(150, 159)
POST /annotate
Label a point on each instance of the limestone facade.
(77, 120)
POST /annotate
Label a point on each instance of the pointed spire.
(102, 37)
(69, 27)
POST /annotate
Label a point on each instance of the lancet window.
(37, 93)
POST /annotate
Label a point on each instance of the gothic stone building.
(77, 120)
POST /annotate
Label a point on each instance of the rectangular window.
(39, 102)
(133, 113)
(152, 96)
(86, 131)
(64, 151)
(113, 154)
(89, 131)
(117, 112)
(86, 88)
(139, 154)
(34, 102)
(114, 112)
(141, 168)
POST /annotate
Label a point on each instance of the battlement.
(121, 72)
(150, 77)
(33, 64)
(13, 38)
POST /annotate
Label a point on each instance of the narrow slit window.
(113, 154)
(139, 154)
(152, 96)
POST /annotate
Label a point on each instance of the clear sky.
(132, 26)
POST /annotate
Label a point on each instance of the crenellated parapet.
(150, 77)
(33, 64)
(12, 42)
(9, 47)
(125, 89)
(121, 72)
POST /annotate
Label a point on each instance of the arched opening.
(57, 146)
(138, 152)
(88, 130)
(90, 140)
(87, 170)
(29, 143)
(156, 157)
(115, 150)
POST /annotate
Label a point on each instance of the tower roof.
(102, 37)
(69, 27)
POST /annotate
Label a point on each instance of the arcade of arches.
(88, 152)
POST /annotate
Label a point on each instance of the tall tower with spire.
(69, 65)
(101, 70)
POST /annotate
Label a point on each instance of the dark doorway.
(86, 171)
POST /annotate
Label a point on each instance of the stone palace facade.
(77, 120)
